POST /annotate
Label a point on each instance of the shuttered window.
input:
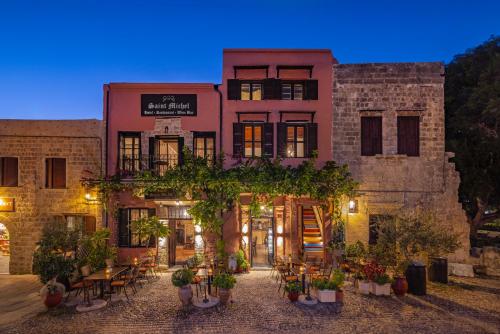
(297, 140)
(409, 135)
(292, 91)
(55, 173)
(371, 135)
(129, 160)
(127, 237)
(251, 91)
(253, 140)
(9, 172)
(204, 146)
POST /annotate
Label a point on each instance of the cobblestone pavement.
(463, 306)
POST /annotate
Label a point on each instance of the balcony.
(129, 165)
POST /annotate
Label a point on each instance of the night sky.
(55, 56)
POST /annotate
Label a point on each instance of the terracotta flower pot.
(293, 296)
(53, 299)
(339, 296)
(186, 295)
(400, 286)
(224, 295)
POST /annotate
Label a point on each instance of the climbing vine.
(216, 190)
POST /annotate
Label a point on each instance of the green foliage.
(216, 190)
(412, 234)
(356, 252)
(51, 258)
(220, 246)
(182, 277)
(97, 249)
(472, 105)
(294, 286)
(194, 261)
(241, 260)
(382, 279)
(224, 281)
(150, 227)
(334, 283)
(338, 278)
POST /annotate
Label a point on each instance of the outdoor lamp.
(301, 270)
(244, 229)
(353, 206)
(279, 229)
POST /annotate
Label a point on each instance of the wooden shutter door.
(409, 135)
(151, 150)
(312, 138)
(371, 135)
(180, 148)
(237, 140)
(311, 90)
(268, 140)
(9, 172)
(233, 89)
(59, 173)
(377, 135)
(89, 225)
(281, 140)
(123, 228)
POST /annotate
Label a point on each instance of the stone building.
(42, 165)
(404, 102)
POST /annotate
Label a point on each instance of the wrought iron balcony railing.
(129, 165)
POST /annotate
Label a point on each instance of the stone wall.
(390, 181)
(33, 141)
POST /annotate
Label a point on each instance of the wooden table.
(102, 276)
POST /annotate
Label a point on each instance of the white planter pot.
(364, 287)
(381, 290)
(326, 296)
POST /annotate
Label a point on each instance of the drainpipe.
(105, 214)
(216, 87)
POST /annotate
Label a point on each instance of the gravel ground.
(463, 306)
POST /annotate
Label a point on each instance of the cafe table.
(106, 275)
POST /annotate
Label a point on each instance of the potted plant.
(400, 284)
(325, 290)
(241, 262)
(182, 279)
(224, 282)
(52, 293)
(381, 285)
(338, 278)
(293, 288)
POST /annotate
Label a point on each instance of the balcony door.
(167, 153)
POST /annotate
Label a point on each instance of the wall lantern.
(279, 229)
(244, 229)
(90, 199)
(353, 206)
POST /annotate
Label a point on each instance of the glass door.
(262, 242)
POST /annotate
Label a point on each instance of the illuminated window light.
(353, 206)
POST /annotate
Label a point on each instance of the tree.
(472, 105)
(150, 227)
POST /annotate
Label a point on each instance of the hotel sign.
(7, 204)
(168, 104)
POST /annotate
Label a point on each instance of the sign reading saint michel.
(168, 104)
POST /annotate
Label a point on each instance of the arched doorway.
(4, 249)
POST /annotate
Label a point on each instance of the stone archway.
(4, 249)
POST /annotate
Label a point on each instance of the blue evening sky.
(55, 55)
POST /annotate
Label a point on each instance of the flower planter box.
(364, 287)
(381, 290)
(326, 296)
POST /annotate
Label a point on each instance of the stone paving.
(464, 306)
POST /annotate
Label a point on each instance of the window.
(8, 172)
(130, 152)
(55, 173)
(371, 135)
(167, 154)
(373, 221)
(295, 141)
(251, 91)
(252, 140)
(204, 145)
(409, 135)
(86, 224)
(128, 237)
(292, 91)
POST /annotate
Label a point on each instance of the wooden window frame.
(121, 162)
(253, 141)
(292, 89)
(49, 173)
(403, 137)
(380, 143)
(295, 140)
(205, 135)
(251, 83)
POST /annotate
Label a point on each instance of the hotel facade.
(386, 121)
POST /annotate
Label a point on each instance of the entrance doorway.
(262, 242)
(4, 249)
(181, 241)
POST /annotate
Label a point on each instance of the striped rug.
(313, 242)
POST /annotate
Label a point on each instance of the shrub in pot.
(338, 278)
(293, 288)
(364, 285)
(182, 279)
(381, 285)
(224, 282)
(325, 290)
(52, 293)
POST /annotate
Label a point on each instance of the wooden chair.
(285, 278)
(122, 283)
(80, 286)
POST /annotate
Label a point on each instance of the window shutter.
(151, 153)
(89, 225)
(371, 136)
(9, 172)
(281, 140)
(268, 140)
(151, 213)
(272, 89)
(312, 138)
(180, 147)
(311, 90)
(59, 173)
(409, 135)
(123, 228)
(237, 140)
(233, 89)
